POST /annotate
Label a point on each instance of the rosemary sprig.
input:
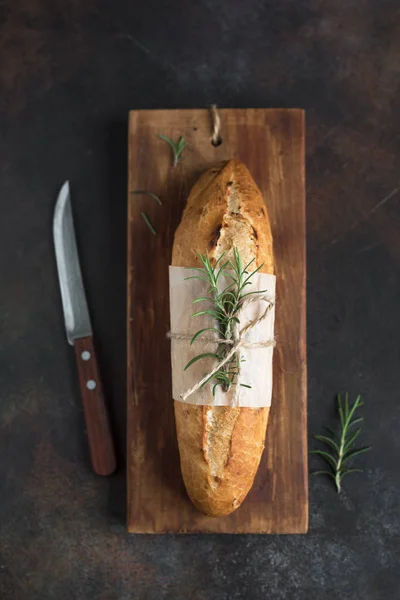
(177, 147)
(156, 198)
(343, 449)
(224, 308)
(143, 214)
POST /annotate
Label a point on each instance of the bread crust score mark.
(220, 447)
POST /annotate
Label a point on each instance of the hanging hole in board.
(217, 141)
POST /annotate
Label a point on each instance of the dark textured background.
(70, 71)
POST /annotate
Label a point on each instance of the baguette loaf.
(220, 447)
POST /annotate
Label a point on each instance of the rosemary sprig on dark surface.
(143, 214)
(224, 308)
(177, 147)
(342, 446)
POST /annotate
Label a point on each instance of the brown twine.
(216, 121)
(237, 342)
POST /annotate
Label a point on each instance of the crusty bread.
(220, 447)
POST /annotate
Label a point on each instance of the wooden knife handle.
(97, 419)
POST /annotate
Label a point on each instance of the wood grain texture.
(101, 445)
(271, 144)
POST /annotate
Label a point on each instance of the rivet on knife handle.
(96, 415)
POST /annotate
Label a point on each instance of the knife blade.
(79, 334)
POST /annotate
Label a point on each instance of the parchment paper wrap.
(256, 370)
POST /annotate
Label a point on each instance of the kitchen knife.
(79, 335)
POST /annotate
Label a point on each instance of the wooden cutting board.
(271, 144)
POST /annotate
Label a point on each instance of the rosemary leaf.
(201, 299)
(351, 455)
(356, 421)
(330, 430)
(328, 457)
(327, 441)
(196, 277)
(351, 471)
(147, 193)
(352, 439)
(149, 225)
(196, 358)
(212, 313)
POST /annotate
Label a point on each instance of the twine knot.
(236, 342)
